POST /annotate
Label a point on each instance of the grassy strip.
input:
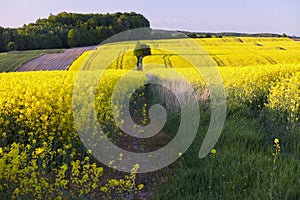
(242, 168)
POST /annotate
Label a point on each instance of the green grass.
(242, 168)
(10, 61)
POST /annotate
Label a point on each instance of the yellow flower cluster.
(277, 149)
(251, 85)
(213, 151)
(41, 154)
(284, 98)
(123, 187)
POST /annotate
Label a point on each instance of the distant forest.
(67, 30)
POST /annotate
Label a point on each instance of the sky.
(246, 16)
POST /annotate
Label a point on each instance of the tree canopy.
(140, 51)
(66, 30)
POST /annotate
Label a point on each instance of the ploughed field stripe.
(57, 61)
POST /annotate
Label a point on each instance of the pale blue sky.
(250, 16)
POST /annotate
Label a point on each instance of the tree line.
(231, 34)
(66, 30)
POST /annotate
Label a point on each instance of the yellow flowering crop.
(76, 65)
(284, 99)
(273, 86)
(40, 151)
(228, 51)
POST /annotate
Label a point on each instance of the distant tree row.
(67, 30)
(233, 34)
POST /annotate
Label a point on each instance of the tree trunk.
(140, 64)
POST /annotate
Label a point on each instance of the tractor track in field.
(270, 60)
(57, 61)
(167, 61)
(218, 61)
(120, 60)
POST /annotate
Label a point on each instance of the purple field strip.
(57, 61)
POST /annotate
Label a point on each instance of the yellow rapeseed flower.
(140, 186)
(39, 151)
(113, 182)
(104, 189)
(213, 151)
(277, 149)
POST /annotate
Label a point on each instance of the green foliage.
(11, 46)
(56, 30)
(142, 50)
(73, 38)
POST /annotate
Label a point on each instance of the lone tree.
(140, 51)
